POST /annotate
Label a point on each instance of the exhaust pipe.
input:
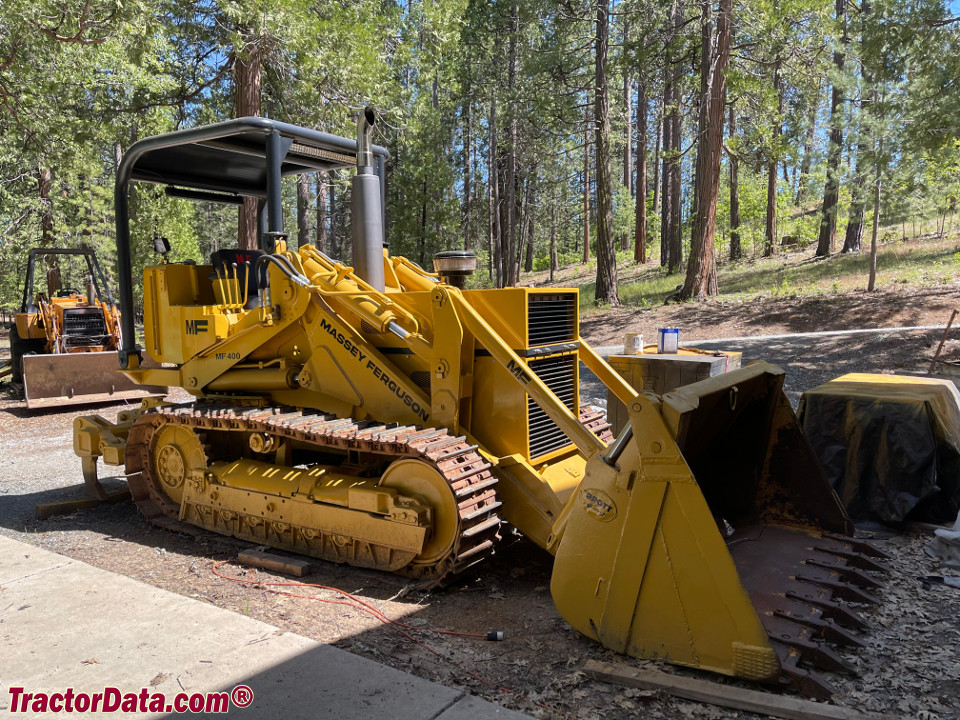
(365, 208)
(365, 122)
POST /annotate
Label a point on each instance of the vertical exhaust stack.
(91, 291)
(365, 208)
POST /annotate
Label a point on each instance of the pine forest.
(540, 134)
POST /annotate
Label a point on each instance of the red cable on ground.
(402, 628)
(359, 604)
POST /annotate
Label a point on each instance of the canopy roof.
(231, 156)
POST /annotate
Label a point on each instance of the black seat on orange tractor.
(223, 262)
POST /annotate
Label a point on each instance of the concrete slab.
(65, 624)
(472, 707)
(21, 560)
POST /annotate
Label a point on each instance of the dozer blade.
(75, 378)
(711, 538)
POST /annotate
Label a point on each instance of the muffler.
(365, 207)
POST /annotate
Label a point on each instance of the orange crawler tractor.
(64, 342)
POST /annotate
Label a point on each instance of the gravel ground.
(909, 667)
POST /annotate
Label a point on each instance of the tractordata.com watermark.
(114, 700)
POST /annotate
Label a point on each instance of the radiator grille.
(552, 318)
(84, 323)
(421, 378)
(557, 373)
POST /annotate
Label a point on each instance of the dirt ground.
(894, 306)
(908, 668)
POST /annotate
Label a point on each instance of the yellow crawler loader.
(381, 415)
(64, 342)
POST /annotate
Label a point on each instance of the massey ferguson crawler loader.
(382, 416)
(63, 343)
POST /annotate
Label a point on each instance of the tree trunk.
(676, 187)
(249, 82)
(530, 205)
(44, 185)
(628, 130)
(467, 175)
(334, 242)
(808, 138)
(322, 212)
(303, 210)
(666, 214)
(872, 282)
(628, 134)
(553, 236)
(702, 105)
(491, 213)
(511, 181)
(736, 249)
(831, 192)
(586, 187)
(606, 287)
(657, 147)
(770, 246)
(422, 236)
(640, 244)
(701, 279)
(770, 224)
(671, 210)
(493, 179)
(853, 239)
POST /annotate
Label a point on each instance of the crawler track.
(469, 477)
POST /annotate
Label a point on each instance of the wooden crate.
(662, 373)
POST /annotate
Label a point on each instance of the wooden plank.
(47, 510)
(764, 703)
(298, 567)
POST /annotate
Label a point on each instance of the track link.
(595, 420)
(468, 475)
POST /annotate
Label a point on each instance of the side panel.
(178, 320)
(28, 327)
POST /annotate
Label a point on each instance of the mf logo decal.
(518, 371)
(598, 504)
(195, 327)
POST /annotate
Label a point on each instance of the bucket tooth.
(840, 614)
(839, 588)
(797, 630)
(853, 558)
(846, 573)
(826, 629)
(806, 682)
(861, 546)
(817, 654)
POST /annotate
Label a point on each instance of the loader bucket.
(711, 538)
(78, 378)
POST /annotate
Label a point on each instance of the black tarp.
(890, 445)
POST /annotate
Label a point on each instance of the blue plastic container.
(668, 341)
